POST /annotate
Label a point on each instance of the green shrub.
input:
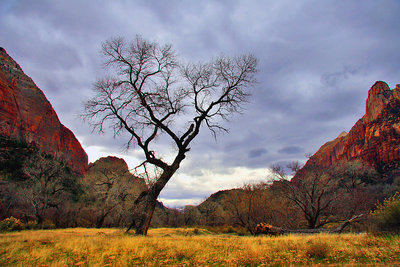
(11, 224)
(386, 217)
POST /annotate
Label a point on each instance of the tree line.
(42, 192)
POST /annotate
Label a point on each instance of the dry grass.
(191, 247)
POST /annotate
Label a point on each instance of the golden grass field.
(192, 247)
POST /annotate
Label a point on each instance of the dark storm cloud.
(317, 60)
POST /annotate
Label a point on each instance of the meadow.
(192, 247)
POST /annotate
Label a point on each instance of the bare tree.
(147, 94)
(354, 174)
(250, 205)
(210, 213)
(355, 179)
(107, 188)
(313, 192)
(191, 215)
(44, 187)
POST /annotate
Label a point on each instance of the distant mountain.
(374, 139)
(27, 116)
(219, 197)
(113, 166)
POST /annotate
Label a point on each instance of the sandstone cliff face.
(374, 139)
(26, 115)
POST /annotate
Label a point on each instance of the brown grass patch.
(317, 249)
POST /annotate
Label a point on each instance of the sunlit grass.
(191, 247)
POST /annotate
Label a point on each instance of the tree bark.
(272, 230)
(143, 212)
(39, 219)
(147, 200)
(38, 215)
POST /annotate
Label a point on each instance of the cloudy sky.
(317, 60)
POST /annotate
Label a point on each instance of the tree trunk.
(146, 202)
(272, 230)
(100, 221)
(338, 229)
(39, 219)
(312, 220)
(311, 224)
(143, 213)
(39, 216)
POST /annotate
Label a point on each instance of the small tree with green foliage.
(386, 217)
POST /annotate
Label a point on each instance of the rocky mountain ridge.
(374, 139)
(27, 116)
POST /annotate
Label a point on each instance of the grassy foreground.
(191, 247)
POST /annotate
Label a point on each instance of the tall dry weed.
(317, 249)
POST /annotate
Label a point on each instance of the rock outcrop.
(27, 116)
(109, 162)
(114, 166)
(374, 139)
(118, 166)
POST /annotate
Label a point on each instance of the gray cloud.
(317, 61)
(255, 153)
(291, 150)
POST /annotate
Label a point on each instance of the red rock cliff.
(26, 115)
(374, 139)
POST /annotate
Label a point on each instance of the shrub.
(228, 229)
(31, 225)
(47, 224)
(11, 224)
(386, 216)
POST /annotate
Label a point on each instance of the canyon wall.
(27, 116)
